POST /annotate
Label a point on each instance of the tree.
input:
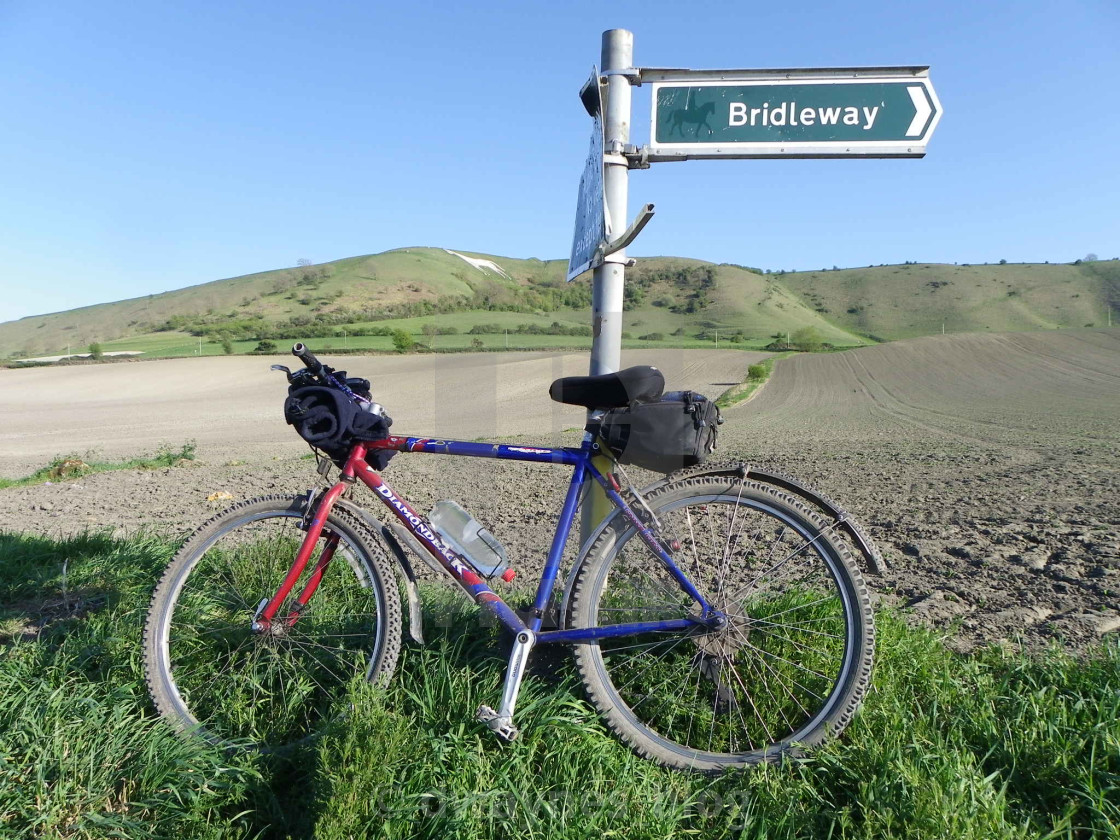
(403, 341)
(227, 345)
(95, 350)
(1091, 257)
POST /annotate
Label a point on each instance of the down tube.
(482, 594)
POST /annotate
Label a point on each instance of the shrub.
(403, 341)
(653, 336)
(808, 339)
(756, 372)
(95, 351)
(266, 346)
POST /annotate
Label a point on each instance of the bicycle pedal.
(501, 726)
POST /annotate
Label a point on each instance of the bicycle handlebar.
(326, 375)
(300, 351)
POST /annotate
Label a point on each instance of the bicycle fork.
(265, 619)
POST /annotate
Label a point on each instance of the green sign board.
(793, 118)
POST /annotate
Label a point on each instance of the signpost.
(871, 112)
(876, 112)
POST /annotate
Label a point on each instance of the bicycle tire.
(789, 669)
(211, 675)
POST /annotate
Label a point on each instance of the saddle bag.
(677, 431)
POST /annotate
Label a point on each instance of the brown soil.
(984, 466)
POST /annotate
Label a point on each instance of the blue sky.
(150, 146)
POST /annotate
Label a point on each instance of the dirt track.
(985, 465)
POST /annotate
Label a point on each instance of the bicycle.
(716, 617)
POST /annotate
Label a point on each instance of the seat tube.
(556, 552)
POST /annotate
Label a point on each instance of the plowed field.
(985, 466)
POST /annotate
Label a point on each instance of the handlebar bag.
(329, 420)
(677, 431)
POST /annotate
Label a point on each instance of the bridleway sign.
(824, 113)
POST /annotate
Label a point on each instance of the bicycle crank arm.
(501, 721)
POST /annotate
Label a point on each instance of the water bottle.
(465, 535)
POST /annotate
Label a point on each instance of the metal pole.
(606, 289)
(608, 279)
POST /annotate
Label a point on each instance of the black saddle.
(640, 384)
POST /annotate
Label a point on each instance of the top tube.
(508, 452)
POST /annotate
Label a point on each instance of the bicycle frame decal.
(422, 530)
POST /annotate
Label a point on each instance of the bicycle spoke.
(748, 686)
(754, 708)
(281, 684)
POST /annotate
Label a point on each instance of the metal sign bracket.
(606, 249)
(636, 158)
(632, 74)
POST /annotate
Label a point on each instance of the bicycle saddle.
(639, 384)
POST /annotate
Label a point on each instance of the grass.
(993, 745)
(64, 467)
(757, 376)
(164, 345)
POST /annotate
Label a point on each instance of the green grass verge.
(757, 375)
(63, 467)
(991, 745)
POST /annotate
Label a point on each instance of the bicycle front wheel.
(211, 674)
(789, 667)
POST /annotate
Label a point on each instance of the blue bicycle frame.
(459, 567)
(526, 635)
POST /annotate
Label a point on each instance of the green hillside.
(356, 302)
(904, 301)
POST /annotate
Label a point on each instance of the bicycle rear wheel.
(787, 670)
(211, 674)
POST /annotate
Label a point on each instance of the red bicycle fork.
(265, 617)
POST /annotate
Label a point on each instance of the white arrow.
(922, 110)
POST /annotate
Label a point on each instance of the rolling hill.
(681, 300)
